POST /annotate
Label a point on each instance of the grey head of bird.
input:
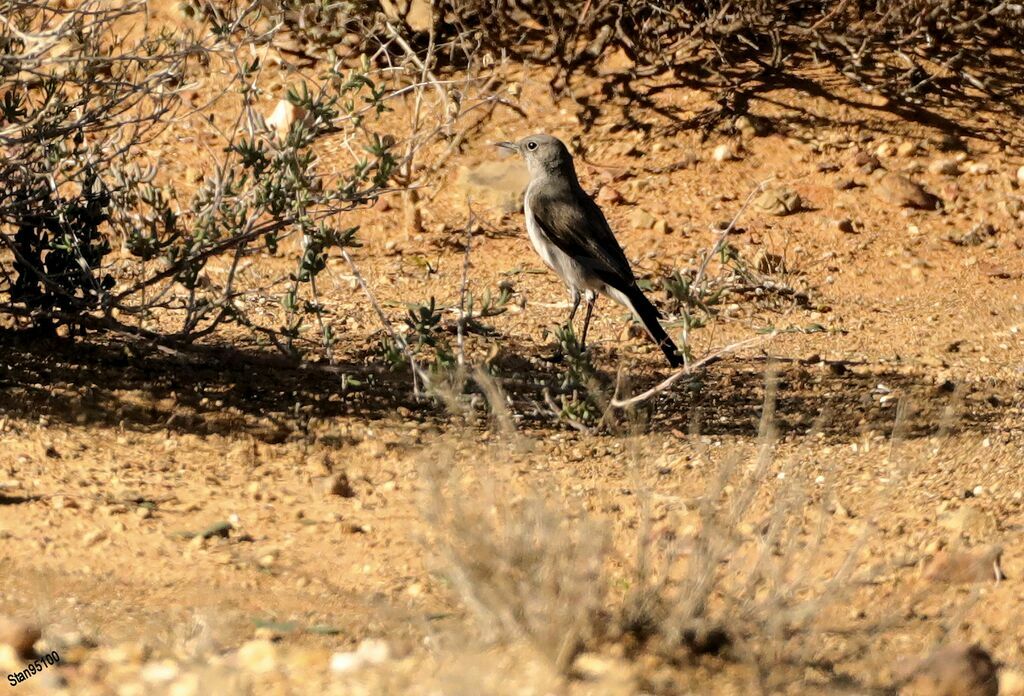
(544, 155)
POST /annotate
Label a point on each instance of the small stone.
(661, 226)
(844, 184)
(884, 150)
(957, 567)
(342, 662)
(906, 149)
(188, 685)
(1011, 683)
(845, 226)
(955, 670)
(592, 666)
(1020, 175)
(949, 167)
(259, 656)
(335, 484)
(641, 219)
(370, 652)
(60, 502)
(977, 168)
(977, 235)
(607, 195)
(160, 672)
(194, 175)
(779, 201)
(374, 651)
(866, 162)
(901, 191)
(724, 153)
(284, 117)
(93, 537)
(19, 635)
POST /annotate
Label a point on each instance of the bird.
(572, 236)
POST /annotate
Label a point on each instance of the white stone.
(724, 152)
(285, 114)
(343, 662)
(258, 656)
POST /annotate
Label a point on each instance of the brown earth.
(899, 429)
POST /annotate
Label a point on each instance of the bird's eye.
(532, 145)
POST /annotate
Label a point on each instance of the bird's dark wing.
(574, 224)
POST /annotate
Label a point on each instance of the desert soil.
(898, 427)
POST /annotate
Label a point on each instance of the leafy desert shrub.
(906, 50)
(80, 108)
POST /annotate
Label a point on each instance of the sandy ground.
(896, 436)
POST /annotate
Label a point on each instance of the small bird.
(570, 233)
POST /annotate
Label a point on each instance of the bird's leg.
(591, 300)
(575, 305)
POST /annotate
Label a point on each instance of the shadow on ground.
(231, 391)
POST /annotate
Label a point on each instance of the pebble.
(907, 148)
(59, 502)
(607, 195)
(949, 167)
(334, 484)
(845, 225)
(284, 115)
(160, 671)
(93, 537)
(1020, 175)
(779, 201)
(259, 656)
(371, 651)
(641, 220)
(724, 153)
(867, 162)
(901, 191)
(955, 670)
(19, 635)
(661, 226)
(1011, 683)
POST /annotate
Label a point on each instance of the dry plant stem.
(683, 371)
(722, 235)
(418, 373)
(410, 197)
(460, 325)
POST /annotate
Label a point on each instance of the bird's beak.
(508, 146)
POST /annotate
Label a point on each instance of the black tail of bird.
(649, 315)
